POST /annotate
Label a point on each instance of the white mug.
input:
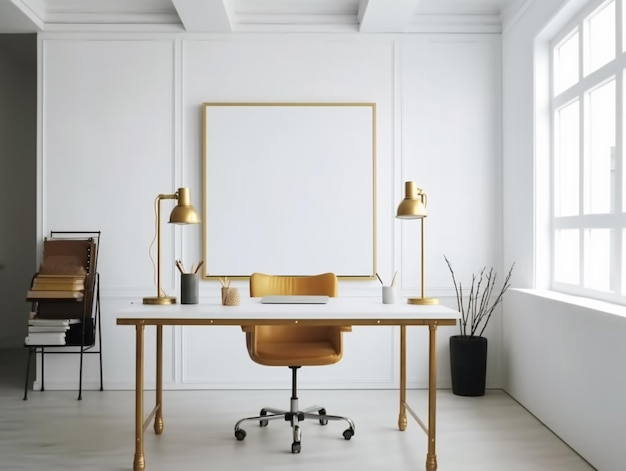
(390, 294)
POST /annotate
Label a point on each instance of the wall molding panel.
(121, 121)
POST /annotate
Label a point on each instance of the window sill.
(579, 301)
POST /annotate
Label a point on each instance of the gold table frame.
(355, 311)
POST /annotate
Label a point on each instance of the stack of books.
(57, 286)
(47, 331)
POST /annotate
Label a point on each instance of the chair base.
(294, 415)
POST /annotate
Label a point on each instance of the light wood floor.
(54, 431)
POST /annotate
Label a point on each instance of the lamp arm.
(159, 199)
(422, 257)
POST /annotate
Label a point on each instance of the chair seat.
(296, 353)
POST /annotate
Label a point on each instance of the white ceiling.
(206, 16)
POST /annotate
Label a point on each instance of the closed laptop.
(294, 299)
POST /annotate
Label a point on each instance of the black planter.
(468, 365)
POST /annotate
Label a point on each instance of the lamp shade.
(184, 212)
(413, 206)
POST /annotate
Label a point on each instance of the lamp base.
(160, 300)
(423, 301)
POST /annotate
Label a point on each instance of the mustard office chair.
(294, 346)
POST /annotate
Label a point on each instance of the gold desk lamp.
(183, 213)
(413, 206)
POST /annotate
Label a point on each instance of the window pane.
(566, 63)
(597, 259)
(567, 161)
(600, 37)
(567, 256)
(599, 164)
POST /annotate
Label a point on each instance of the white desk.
(339, 311)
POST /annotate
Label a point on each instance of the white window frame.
(616, 219)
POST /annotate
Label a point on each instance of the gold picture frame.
(289, 188)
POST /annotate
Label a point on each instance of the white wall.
(18, 192)
(562, 360)
(121, 122)
(565, 365)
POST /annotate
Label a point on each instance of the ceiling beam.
(204, 16)
(386, 16)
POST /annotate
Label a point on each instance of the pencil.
(198, 267)
(381, 281)
(393, 280)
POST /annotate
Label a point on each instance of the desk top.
(338, 311)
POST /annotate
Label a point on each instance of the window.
(588, 211)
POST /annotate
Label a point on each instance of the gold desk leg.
(402, 416)
(139, 463)
(431, 457)
(158, 418)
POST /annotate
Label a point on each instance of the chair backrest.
(268, 285)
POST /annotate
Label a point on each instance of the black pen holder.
(189, 288)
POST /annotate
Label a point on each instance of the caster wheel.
(240, 434)
(323, 421)
(263, 423)
(348, 433)
(295, 447)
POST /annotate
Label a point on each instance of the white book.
(47, 328)
(45, 338)
(47, 335)
(49, 322)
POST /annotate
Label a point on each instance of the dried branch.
(481, 303)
